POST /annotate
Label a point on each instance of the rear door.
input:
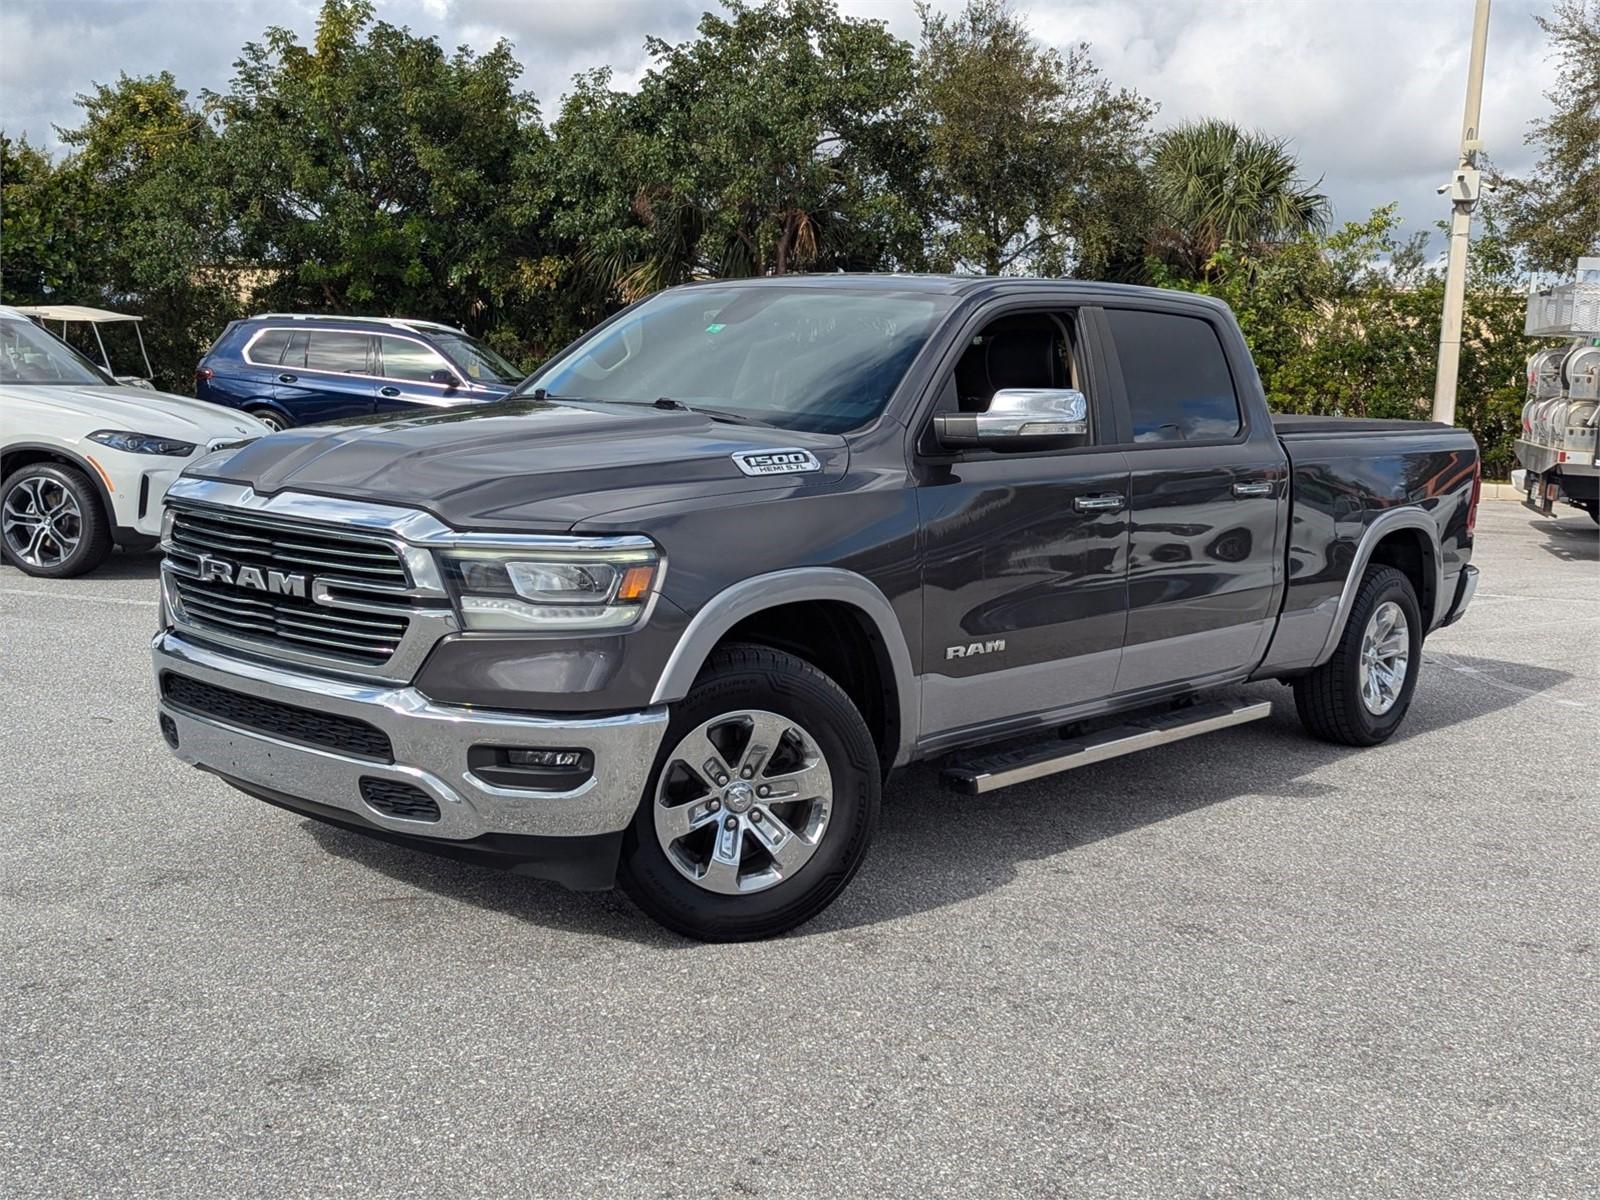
(1207, 477)
(1024, 553)
(325, 374)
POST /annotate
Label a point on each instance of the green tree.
(1215, 183)
(1033, 158)
(125, 220)
(371, 172)
(1554, 216)
(50, 231)
(780, 138)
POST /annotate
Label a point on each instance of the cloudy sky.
(1369, 91)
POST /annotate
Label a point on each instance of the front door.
(1204, 565)
(1024, 553)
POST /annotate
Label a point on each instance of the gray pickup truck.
(671, 613)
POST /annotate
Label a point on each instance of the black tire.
(1592, 507)
(1329, 700)
(273, 420)
(746, 677)
(90, 526)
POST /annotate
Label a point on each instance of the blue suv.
(299, 370)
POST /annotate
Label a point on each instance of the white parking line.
(78, 596)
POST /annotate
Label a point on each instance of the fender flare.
(751, 596)
(1389, 521)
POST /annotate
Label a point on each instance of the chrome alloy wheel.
(1385, 658)
(41, 521)
(743, 802)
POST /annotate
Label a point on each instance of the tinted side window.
(268, 348)
(1179, 385)
(345, 352)
(410, 361)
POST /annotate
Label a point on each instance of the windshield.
(481, 364)
(30, 355)
(803, 358)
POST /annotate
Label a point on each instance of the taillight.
(203, 374)
(1477, 494)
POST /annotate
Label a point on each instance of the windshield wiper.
(716, 414)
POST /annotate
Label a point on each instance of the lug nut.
(755, 815)
(731, 823)
(763, 790)
(721, 780)
(746, 773)
(715, 806)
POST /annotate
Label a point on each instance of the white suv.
(85, 462)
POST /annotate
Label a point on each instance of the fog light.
(558, 770)
(549, 759)
(169, 730)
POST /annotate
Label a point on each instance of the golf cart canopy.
(73, 314)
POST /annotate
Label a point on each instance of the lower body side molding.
(975, 774)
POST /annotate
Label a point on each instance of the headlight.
(142, 443)
(551, 589)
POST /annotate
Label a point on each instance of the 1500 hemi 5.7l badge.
(788, 461)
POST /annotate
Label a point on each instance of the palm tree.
(1214, 183)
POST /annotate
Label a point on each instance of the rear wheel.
(52, 524)
(761, 805)
(1360, 695)
(269, 418)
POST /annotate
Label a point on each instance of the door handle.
(288, 378)
(1254, 487)
(1104, 502)
(389, 391)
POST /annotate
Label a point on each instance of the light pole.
(1464, 188)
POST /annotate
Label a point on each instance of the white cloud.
(1368, 91)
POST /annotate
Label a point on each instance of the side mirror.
(448, 378)
(1018, 419)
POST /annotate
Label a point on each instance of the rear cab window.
(1176, 375)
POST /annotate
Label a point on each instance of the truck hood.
(136, 410)
(534, 466)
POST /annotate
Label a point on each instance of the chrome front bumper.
(430, 744)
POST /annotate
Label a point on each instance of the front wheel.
(1360, 695)
(51, 521)
(761, 805)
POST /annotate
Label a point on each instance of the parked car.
(671, 614)
(84, 461)
(288, 370)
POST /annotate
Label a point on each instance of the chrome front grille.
(287, 547)
(296, 586)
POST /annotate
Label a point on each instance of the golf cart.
(78, 314)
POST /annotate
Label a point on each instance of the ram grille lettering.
(280, 583)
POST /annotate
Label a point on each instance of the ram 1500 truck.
(671, 613)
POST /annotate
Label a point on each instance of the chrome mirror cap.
(1019, 418)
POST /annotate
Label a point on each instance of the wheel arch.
(27, 454)
(797, 611)
(1408, 540)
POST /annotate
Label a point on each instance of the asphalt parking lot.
(1251, 965)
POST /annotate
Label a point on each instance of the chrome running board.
(981, 773)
